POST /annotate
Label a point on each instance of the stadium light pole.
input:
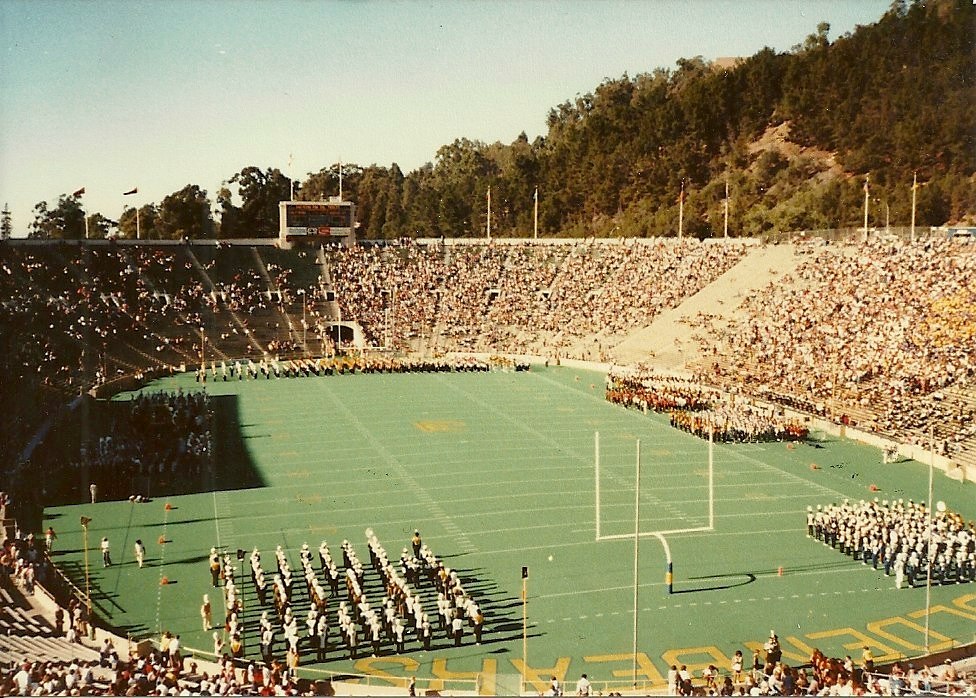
(681, 210)
(535, 215)
(914, 190)
(84, 527)
(726, 226)
(928, 576)
(867, 204)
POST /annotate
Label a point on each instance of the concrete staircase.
(668, 342)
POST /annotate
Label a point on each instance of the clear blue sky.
(157, 94)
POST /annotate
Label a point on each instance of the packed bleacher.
(880, 334)
(875, 334)
(163, 436)
(519, 298)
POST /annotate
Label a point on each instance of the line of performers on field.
(300, 368)
(895, 537)
(699, 410)
(362, 619)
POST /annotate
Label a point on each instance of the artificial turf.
(497, 472)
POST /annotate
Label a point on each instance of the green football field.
(497, 471)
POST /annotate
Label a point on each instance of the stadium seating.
(880, 336)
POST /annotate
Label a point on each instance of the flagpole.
(291, 179)
(340, 180)
(488, 228)
(134, 190)
(535, 216)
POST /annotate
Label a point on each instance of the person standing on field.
(206, 613)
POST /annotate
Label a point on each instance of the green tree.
(185, 214)
(66, 221)
(99, 226)
(324, 184)
(146, 227)
(260, 192)
(6, 223)
(231, 225)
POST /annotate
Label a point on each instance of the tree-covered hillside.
(793, 135)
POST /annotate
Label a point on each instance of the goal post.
(597, 469)
(596, 487)
(636, 534)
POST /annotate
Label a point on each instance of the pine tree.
(6, 223)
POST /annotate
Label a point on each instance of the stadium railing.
(450, 686)
(926, 687)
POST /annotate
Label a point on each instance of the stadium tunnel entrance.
(348, 333)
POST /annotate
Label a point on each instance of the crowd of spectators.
(154, 439)
(519, 298)
(905, 539)
(867, 329)
(162, 671)
(883, 329)
(737, 422)
(659, 393)
(83, 314)
(766, 674)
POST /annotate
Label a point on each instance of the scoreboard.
(316, 219)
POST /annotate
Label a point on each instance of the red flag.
(79, 192)
(134, 190)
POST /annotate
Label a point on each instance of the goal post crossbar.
(654, 534)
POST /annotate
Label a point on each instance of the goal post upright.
(659, 535)
(596, 489)
(711, 477)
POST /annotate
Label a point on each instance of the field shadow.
(235, 469)
(69, 474)
(747, 578)
(744, 577)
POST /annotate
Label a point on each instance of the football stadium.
(488, 492)
(667, 389)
